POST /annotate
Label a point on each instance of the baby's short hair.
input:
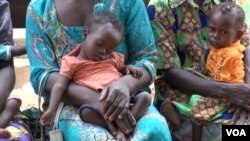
(105, 17)
(233, 10)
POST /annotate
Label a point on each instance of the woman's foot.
(168, 110)
(4, 133)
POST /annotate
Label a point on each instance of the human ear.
(85, 33)
(239, 35)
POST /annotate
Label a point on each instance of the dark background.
(18, 10)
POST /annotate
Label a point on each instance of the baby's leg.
(120, 136)
(168, 110)
(91, 114)
(8, 112)
(141, 103)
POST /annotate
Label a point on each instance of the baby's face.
(101, 42)
(221, 30)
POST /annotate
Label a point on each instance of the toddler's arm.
(57, 92)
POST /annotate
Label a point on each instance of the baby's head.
(103, 33)
(225, 24)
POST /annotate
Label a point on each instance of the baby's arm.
(57, 92)
(142, 102)
(134, 71)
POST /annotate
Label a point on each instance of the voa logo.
(236, 132)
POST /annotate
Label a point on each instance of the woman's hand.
(239, 95)
(240, 117)
(116, 96)
(127, 123)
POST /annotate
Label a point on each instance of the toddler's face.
(101, 42)
(221, 30)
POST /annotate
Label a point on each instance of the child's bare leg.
(7, 115)
(168, 110)
(92, 115)
(8, 112)
(120, 136)
(142, 101)
(197, 132)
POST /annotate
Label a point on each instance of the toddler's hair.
(233, 10)
(105, 17)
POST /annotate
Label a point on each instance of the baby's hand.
(134, 71)
(46, 118)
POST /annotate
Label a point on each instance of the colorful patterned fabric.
(19, 131)
(180, 31)
(151, 127)
(48, 41)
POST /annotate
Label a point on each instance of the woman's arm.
(238, 94)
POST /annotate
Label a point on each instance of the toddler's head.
(225, 24)
(103, 33)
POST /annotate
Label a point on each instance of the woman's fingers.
(111, 127)
(124, 110)
(131, 118)
(121, 126)
(128, 125)
(120, 108)
(236, 115)
(231, 109)
(242, 118)
(115, 104)
(248, 119)
(109, 102)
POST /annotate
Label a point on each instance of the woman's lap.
(152, 126)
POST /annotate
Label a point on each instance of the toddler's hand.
(134, 71)
(46, 118)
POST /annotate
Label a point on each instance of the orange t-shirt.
(226, 64)
(93, 74)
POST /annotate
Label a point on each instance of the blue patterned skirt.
(151, 127)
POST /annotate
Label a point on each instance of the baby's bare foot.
(120, 136)
(4, 133)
